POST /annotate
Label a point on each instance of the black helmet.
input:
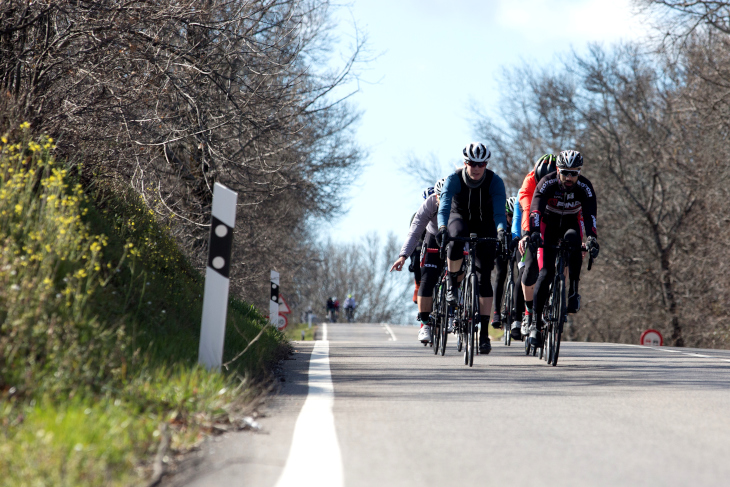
(544, 165)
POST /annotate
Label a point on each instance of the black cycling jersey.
(552, 200)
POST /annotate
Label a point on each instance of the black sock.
(573, 288)
(423, 317)
(528, 306)
(484, 320)
(484, 334)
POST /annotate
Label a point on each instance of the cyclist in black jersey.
(563, 207)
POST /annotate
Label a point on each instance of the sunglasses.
(568, 172)
(476, 164)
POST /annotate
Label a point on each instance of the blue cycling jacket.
(474, 203)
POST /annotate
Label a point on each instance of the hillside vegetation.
(100, 318)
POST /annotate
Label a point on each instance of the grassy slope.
(100, 317)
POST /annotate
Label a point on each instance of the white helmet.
(439, 186)
(476, 152)
(570, 159)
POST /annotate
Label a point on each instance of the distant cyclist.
(333, 307)
(431, 265)
(473, 201)
(563, 202)
(350, 305)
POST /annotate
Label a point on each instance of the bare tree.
(360, 269)
(652, 160)
(423, 172)
(168, 97)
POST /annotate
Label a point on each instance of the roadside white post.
(274, 301)
(215, 297)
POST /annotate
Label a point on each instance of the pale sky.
(436, 56)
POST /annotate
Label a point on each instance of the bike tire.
(474, 315)
(558, 326)
(436, 337)
(444, 332)
(466, 323)
(508, 299)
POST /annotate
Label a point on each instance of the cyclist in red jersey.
(528, 274)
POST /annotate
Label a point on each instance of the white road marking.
(392, 335)
(324, 332)
(691, 354)
(314, 457)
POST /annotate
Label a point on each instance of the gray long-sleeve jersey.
(425, 218)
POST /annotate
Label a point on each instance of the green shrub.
(99, 330)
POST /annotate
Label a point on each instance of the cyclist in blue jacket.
(472, 201)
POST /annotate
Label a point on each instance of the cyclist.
(519, 302)
(430, 266)
(473, 201)
(500, 265)
(559, 205)
(415, 265)
(530, 270)
(350, 305)
(331, 309)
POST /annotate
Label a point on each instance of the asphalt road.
(606, 415)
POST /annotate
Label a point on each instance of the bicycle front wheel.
(558, 325)
(473, 311)
(444, 329)
(466, 321)
(508, 299)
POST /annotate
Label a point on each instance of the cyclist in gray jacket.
(431, 264)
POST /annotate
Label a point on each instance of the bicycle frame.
(557, 304)
(508, 311)
(468, 307)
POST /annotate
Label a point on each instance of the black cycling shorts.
(431, 266)
(485, 253)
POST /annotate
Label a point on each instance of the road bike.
(555, 313)
(509, 312)
(440, 314)
(466, 316)
(350, 314)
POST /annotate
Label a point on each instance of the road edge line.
(314, 441)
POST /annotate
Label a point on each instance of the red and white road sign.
(283, 307)
(652, 338)
(281, 324)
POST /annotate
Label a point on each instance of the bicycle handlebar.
(474, 240)
(562, 245)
